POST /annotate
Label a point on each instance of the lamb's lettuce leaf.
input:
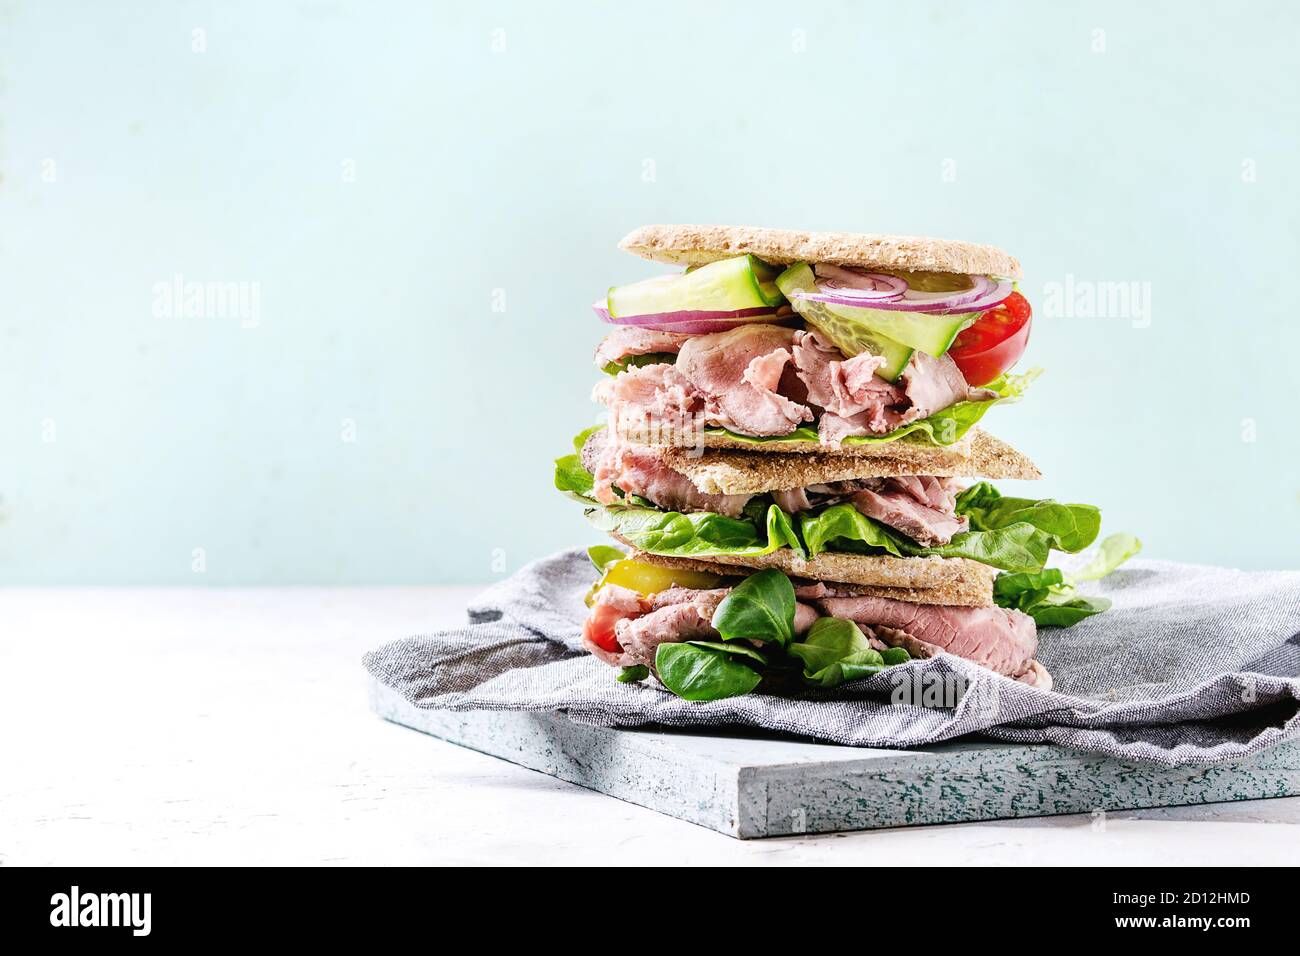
(736, 649)
(695, 672)
(1051, 596)
(760, 608)
(944, 427)
(835, 650)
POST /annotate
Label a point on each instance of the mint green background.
(520, 171)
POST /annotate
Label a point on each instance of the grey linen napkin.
(1192, 665)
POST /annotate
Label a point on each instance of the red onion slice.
(854, 284)
(687, 322)
(986, 294)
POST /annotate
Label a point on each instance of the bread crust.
(930, 580)
(693, 244)
(751, 473)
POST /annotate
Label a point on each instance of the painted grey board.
(748, 785)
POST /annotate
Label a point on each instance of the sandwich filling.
(830, 632)
(768, 552)
(634, 493)
(924, 508)
(769, 381)
(805, 352)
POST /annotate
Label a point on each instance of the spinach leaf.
(760, 608)
(702, 673)
(634, 673)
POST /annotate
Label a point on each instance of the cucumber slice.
(727, 285)
(929, 333)
(849, 337)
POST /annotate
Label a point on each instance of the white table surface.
(229, 726)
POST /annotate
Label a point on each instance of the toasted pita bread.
(690, 245)
(750, 473)
(948, 581)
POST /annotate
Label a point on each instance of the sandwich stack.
(791, 464)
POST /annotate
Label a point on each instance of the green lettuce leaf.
(573, 479)
(1051, 597)
(1011, 534)
(1111, 553)
(571, 476)
(942, 428)
(602, 556)
(697, 534)
(636, 361)
(1068, 527)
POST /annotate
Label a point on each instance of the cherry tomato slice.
(599, 627)
(995, 342)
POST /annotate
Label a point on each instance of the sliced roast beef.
(624, 604)
(707, 598)
(938, 493)
(1000, 639)
(932, 384)
(927, 385)
(793, 501)
(683, 621)
(652, 394)
(639, 470)
(920, 507)
(766, 380)
(738, 373)
(623, 599)
(676, 614)
(840, 386)
(627, 340)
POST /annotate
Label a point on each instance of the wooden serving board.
(749, 785)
